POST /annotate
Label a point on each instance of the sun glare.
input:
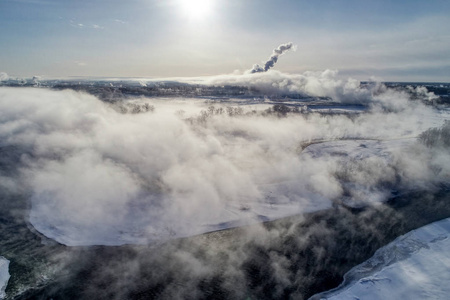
(196, 9)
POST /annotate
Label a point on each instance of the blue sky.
(389, 40)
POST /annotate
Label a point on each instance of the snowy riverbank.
(414, 266)
(4, 276)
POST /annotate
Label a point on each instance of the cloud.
(316, 84)
(73, 23)
(76, 25)
(120, 21)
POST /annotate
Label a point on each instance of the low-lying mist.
(99, 174)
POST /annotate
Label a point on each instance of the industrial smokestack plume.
(273, 58)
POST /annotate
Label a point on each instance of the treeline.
(211, 111)
(133, 108)
(163, 89)
(282, 110)
(277, 110)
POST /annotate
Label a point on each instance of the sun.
(196, 9)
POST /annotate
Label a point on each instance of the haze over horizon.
(386, 40)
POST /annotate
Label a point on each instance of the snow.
(4, 276)
(414, 266)
(137, 228)
(337, 109)
(358, 148)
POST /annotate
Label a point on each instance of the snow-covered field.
(414, 266)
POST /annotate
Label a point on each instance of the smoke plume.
(273, 58)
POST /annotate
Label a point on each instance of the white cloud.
(73, 23)
(120, 21)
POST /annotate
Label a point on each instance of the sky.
(386, 40)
